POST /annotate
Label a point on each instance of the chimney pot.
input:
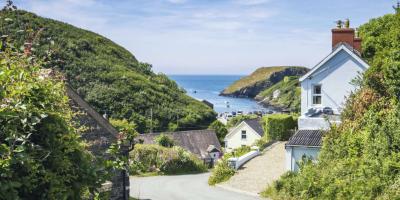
(345, 35)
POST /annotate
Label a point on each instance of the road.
(183, 187)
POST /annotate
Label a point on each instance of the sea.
(208, 87)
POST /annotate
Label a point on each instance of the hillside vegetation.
(41, 153)
(106, 75)
(289, 94)
(360, 159)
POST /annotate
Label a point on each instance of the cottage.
(244, 134)
(323, 92)
(203, 143)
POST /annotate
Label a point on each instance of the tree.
(220, 130)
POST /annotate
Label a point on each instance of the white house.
(244, 134)
(323, 93)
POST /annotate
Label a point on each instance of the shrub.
(222, 172)
(279, 126)
(162, 160)
(184, 162)
(262, 142)
(164, 140)
(220, 130)
(41, 154)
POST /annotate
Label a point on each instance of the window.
(244, 136)
(317, 95)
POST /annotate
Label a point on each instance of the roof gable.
(253, 124)
(341, 47)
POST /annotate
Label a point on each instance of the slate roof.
(255, 124)
(195, 141)
(308, 138)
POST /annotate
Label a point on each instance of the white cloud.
(251, 2)
(177, 1)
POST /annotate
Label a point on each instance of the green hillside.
(259, 75)
(289, 94)
(360, 159)
(261, 79)
(108, 76)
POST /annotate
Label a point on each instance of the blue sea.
(208, 87)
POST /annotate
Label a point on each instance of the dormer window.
(317, 95)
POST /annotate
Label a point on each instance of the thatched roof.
(195, 141)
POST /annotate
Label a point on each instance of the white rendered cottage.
(244, 134)
(323, 93)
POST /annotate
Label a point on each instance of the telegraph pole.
(151, 120)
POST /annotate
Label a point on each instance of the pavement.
(182, 187)
(254, 176)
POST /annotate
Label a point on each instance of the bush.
(41, 154)
(162, 160)
(222, 172)
(279, 126)
(220, 130)
(262, 142)
(164, 140)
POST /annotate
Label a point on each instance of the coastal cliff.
(261, 79)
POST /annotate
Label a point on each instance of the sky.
(214, 36)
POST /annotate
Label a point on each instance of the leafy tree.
(220, 130)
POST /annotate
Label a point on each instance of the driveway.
(254, 176)
(183, 187)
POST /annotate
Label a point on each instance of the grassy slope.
(108, 76)
(289, 97)
(259, 75)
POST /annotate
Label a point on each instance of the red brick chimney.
(347, 35)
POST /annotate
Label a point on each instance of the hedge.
(279, 126)
(157, 159)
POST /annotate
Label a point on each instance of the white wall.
(234, 137)
(335, 77)
(295, 154)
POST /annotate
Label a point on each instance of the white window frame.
(316, 95)
(245, 135)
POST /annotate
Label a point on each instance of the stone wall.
(99, 135)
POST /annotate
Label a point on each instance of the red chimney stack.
(346, 34)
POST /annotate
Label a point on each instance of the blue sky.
(214, 36)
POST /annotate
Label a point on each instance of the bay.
(208, 87)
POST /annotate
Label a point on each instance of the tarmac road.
(182, 187)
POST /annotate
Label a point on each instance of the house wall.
(295, 154)
(335, 77)
(234, 138)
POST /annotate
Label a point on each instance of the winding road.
(183, 187)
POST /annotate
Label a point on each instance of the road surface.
(183, 187)
(254, 176)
